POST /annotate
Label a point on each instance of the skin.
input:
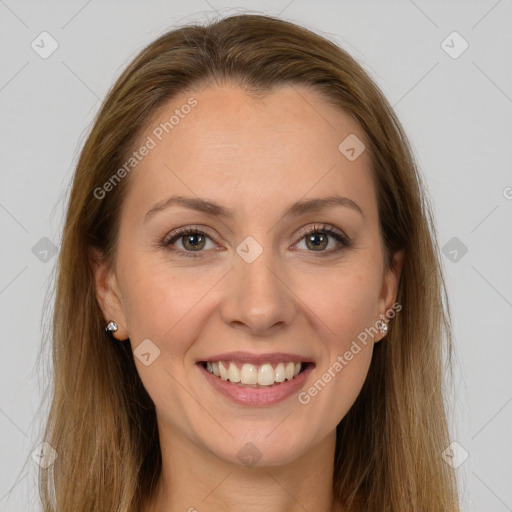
(256, 157)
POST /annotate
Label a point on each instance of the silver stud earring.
(382, 326)
(111, 329)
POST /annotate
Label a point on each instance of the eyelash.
(323, 228)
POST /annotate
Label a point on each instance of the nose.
(257, 297)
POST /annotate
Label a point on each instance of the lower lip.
(257, 397)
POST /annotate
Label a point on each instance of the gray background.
(456, 111)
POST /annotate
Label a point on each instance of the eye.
(192, 240)
(317, 238)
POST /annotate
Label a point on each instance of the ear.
(107, 294)
(390, 284)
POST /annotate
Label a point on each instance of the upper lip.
(257, 359)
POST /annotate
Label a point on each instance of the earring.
(382, 326)
(111, 329)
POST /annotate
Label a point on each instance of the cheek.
(344, 302)
(164, 303)
(343, 299)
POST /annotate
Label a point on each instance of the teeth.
(263, 375)
(249, 374)
(223, 371)
(280, 373)
(266, 375)
(290, 368)
(233, 373)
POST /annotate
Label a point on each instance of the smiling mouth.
(255, 376)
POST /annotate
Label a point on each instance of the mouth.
(249, 375)
(262, 382)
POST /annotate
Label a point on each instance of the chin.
(260, 450)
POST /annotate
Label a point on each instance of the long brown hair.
(102, 422)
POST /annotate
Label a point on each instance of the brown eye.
(317, 239)
(192, 240)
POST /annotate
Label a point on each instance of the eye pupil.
(314, 240)
(191, 239)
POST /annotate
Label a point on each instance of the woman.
(249, 309)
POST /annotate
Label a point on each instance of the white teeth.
(290, 369)
(249, 374)
(280, 373)
(266, 375)
(223, 371)
(263, 375)
(233, 373)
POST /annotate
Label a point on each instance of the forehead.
(222, 144)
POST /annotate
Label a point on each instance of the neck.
(195, 480)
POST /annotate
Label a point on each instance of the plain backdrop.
(446, 69)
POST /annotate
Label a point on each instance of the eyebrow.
(296, 209)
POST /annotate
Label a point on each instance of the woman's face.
(255, 284)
